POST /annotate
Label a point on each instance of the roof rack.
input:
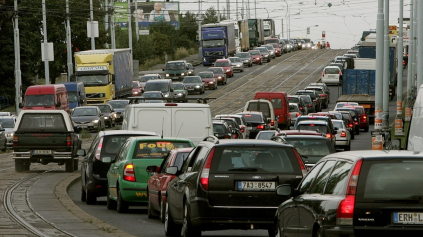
(198, 100)
(211, 138)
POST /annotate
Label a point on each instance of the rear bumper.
(330, 81)
(388, 231)
(341, 143)
(344, 231)
(29, 155)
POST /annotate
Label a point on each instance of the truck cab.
(46, 97)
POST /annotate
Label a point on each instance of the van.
(46, 97)
(76, 94)
(188, 120)
(415, 133)
(176, 70)
(280, 106)
(163, 85)
(266, 108)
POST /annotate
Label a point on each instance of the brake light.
(68, 140)
(129, 173)
(300, 161)
(227, 137)
(323, 73)
(235, 136)
(301, 108)
(356, 123)
(98, 151)
(345, 212)
(309, 105)
(340, 73)
(328, 135)
(260, 127)
(272, 123)
(350, 125)
(298, 114)
(15, 140)
(343, 134)
(204, 177)
(322, 95)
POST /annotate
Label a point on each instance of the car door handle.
(115, 168)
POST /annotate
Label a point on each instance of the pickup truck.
(42, 136)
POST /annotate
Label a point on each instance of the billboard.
(147, 13)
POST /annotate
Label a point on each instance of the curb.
(61, 192)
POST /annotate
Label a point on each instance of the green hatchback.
(127, 178)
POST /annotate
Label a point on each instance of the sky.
(343, 22)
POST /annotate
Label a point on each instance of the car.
(237, 64)
(325, 118)
(191, 69)
(350, 55)
(245, 58)
(312, 146)
(93, 169)
(280, 105)
(266, 107)
(180, 92)
(119, 108)
(257, 57)
(108, 113)
(337, 64)
(194, 84)
(3, 139)
(324, 86)
(288, 45)
(331, 75)
(148, 77)
(298, 100)
(278, 49)
(294, 45)
(240, 121)
(264, 53)
(209, 80)
(127, 179)
(150, 94)
(314, 96)
(136, 88)
(355, 193)
(363, 117)
(8, 123)
(163, 85)
(284, 46)
(256, 122)
(89, 118)
(349, 121)
(354, 115)
(8, 114)
(328, 114)
(219, 73)
(158, 182)
(226, 64)
(176, 70)
(267, 135)
(226, 180)
(233, 126)
(322, 95)
(222, 130)
(343, 136)
(308, 103)
(271, 49)
(294, 112)
(319, 126)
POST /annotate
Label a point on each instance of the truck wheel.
(18, 166)
(69, 166)
(75, 164)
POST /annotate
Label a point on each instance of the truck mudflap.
(32, 154)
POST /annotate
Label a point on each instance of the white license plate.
(408, 218)
(250, 128)
(42, 152)
(256, 186)
(332, 76)
(83, 126)
(117, 116)
(174, 78)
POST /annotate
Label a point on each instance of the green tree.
(211, 16)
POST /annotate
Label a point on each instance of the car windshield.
(175, 66)
(216, 70)
(44, 122)
(154, 86)
(310, 93)
(313, 127)
(253, 118)
(265, 135)
(269, 47)
(205, 75)
(135, 85)
(156, 149)
(84, 112)
(306, 99)
(243, 55)
(255, 158)
(118, 104)
(39, 100)
(213, 43)
(331, 71)
(178, 86)
(263, 50)
(275, 45)
(222, 64)
(235, 60)
(314, 149)
(192, 80)
(147, 78)
(152, 94)
(7, 123)
(93, 80)
(104, 108)
(219, 128)
(72, 96)
(255, 52)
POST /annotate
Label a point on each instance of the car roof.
(245, 142)
(154, 138)
(87, 107)
(250, 112)
(318, 136)
(375, 154)
(332, 67)
(298, 132)
(318, 122)
(127, 132)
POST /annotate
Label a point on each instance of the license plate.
(83, 126)
(250, 128)
(332, 76)
(408, 218)
(366, 106)
(256, 186)
(174, 78)
(42, 152)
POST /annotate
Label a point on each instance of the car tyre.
(151, 213)
(121, 205)
(83, 194)
(352, 135)
(162, 211)
(171, 228)
(357, 131)
(366, 129)
(188, 230)
(348, 148)
(90, 198)
(75, 164)
(111, 204)
(69, 166)
(18, 166)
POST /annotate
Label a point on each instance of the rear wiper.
(414, 199)
(243, 169)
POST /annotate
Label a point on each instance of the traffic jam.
(280, 165)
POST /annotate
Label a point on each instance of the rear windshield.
(353, 113)
(253, 118)
(310, 93)
(261, 159)
(42, 123)
(311, 148)
(393, 179)
(111, 145)
(219, 128)
(157, 149)
(306, 99)
(337, 124)
(293, 108)
(294, 100)
(331, 71)
(313, 127)
(7, 123)
(261, 107)
(265, 135)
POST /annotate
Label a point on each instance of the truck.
(269, 28)
(242, 42)
(45, 136)
(217, 41)
(106, 74)
(256, 29)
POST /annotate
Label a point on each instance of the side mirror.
(151, 168)
(2, 129)
(107, 159)
(58, 104)
(20, 105)
(81, 101)
(163, 69)
(284, 190)
(80, 152)
(172, 170)
(113, 79)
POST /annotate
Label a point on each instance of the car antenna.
(162, 126)
(182, 124)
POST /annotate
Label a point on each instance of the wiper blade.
(243, 169)
(399, 200)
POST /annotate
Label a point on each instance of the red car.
(278, 49)
(209, 80)
(219, 73)
(157, 184)
(226, 65)
(256, 55)
(136, 88)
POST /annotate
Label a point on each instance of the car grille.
(81, 122)
(190, 87)
(96, 95)
(174, 74)
(212, 53)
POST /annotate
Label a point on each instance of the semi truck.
(106, 74)
(269, 28)
(217, 41)
(242, 41)
(256, 32)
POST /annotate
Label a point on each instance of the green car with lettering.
(127, 176)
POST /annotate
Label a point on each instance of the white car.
(343, 136)
(237, 64)
(294, 112)
(331, 75)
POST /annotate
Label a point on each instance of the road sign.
(143, 32)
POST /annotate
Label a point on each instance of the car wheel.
(90, 198)
(162, 211)
(261, 63)
(5, 146)
(69, 166)
(348, 148)
(121, 205)
(357, 131)
(83, 197)
(151, 213)
(18, 166)
(111, 204)
(75, 164)
(188, 230)
(352, 135)
(170, 227)
(366, 129)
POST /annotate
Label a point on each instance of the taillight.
(356, 123)
(300, 161)
(328, 135)
(345, 212)
(289, 113)
(309, 105)
(272, 123)
(323, 73)
(129, 173)
(235, 136)
(350, 125)
(260, 127)
(98, 151)
(298, 114)
(301, 108)
(323, 95)
(68, 140)
(15, 140)
(340, 73)
(343, 134)
(204, 177)
(364, 117)
(227, 137)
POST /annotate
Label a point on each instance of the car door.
(113, 173)
(87, 161)
(155, 182)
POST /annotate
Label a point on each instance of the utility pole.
(236, 11)
(18, 79)
(255, 9)
(386, 76)
(130, 35)
(112, 25)
(218, 10)
(136, 20)
(228, 9)
(68, 42)
(92, 26)
(242, 9)
(400, 54)
(379, 67)
(46, 66)
(106, 21)
(410, 78)
(419, 45)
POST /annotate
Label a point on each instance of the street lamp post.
(289, 17)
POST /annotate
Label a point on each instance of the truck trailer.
(269, 28)
(217, 41)
(106, 74)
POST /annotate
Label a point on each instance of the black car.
(308, 102)
(256, 122)
(119, 108)
(322, 95)
(229, 184)
(222, 131)
(354, 115)
(108, 113)
(194, 84)
(356, 193)
(233, 126)
(93, 169)
(298, 100)
(314, 96)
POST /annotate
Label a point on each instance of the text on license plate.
(408, 217)
(256, 186)
(42, 152)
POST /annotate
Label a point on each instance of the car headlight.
(197, 86)
(106, 117)
(136, 92)
(211, 82)
(228, 70)
(180, 94)
(167, 75)
(95, 121)
(166, 95)
(182, 74)
(219, 77)
(9, 134)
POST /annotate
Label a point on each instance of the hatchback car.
(93, 169)
(119, 108)
(226, 65)
(271, 49)
(154, 97)
(237, 64)
(264, 53)
(322, 95)
(362, 115)
(343, 136)
(245, 58)
(227, 180)
(256, 122)
(314, 96)
(219, 73)
(89, 118)
(257, 57)
(127, 178)
(108, 113)
(233, 126)
(209, 80)
(8, 123)
(278, 49)
(157, 184)
(349, 121)
(355, 193)
(194, 84)
(331, 75)
(180, 92)
(308, 103)
(136, 88)
(222, 130)
(296, 99)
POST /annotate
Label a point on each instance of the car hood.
(192, 84)
(84, 118)
(178, 91)
(237, 64)
(208, 79)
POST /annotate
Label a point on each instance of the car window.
(277, 103)
(122, 151)
(156, 149)
(42, 122)
(313, 127)
(179, 159)
(308, 180)
(165, 162)
(314, 149)
(111, 144)
(259, 106)
(337, 181)
(93, 145)
(331, 71)
(191, 158)
(196, 166)
(320, 182)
